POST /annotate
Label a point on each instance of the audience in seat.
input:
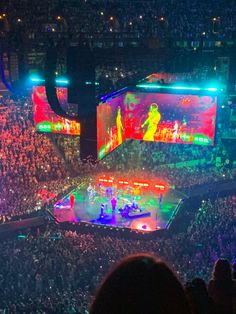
(222, 288)
(197, 294)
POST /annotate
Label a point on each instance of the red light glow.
(141, 184)
(144, 225)
(152, 185)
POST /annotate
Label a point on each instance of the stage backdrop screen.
(171, 118)
(110, 125)
(46, 120)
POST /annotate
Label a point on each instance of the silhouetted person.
(234, 271)
(140, 284)
(222, 288)
(197, 294)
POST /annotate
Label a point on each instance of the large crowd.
(180, 167)
(163, 19)
(58, 268)
(33, 162)
(57, 271)
(26, 158)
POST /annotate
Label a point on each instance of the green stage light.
(44, 127)
(90, 83)
(21, 236)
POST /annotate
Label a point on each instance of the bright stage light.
(123, 182)
(193, 88)
(211, 89)
(62, 81)
(160, 186)
(186, 87)
(154, 86)
(137, 184)
(37, 79)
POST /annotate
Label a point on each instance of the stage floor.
(89, 211)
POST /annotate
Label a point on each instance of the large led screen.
(46, 120)
(110, 126)
(172, 118)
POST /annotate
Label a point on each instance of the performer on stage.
(102, 211)
(152, 121)
(113, 204)
(160, 198)
(91, 192)
(89, 188)
(72, 201)
(134, 204)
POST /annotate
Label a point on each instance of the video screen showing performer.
(46, 120)
(110, 126)
(171, 118)
(152, 121)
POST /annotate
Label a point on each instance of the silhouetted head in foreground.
(140, 284)
(222, 271)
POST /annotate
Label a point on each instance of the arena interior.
(118, 157)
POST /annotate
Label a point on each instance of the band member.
(152, 121)
(109, 192)
(102, 211)
(91, 192)
(160, 198)
(134, 204)
(113, 204)
(119, 126)
(72, 201)
(89, 188)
